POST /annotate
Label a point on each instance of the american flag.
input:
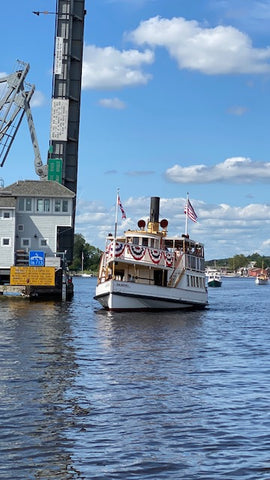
(121, 208)
(190, 212)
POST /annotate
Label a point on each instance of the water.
(87, 394)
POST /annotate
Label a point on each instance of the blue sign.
(36, 258)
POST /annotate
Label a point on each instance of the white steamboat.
(146, 270)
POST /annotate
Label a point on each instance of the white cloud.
(224, 229)
(38, 99)
(237, 110)
(114, 103)
(254, 14)
(218, 50)
(139, 173)
(111, 172)
(132, 3)
(109, 68)
(235, 170)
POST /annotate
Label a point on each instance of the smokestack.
(154, 210)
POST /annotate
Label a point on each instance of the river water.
(86, 394)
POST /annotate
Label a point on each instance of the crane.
(14, 103)
(62, 161)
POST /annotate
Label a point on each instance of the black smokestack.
(154, 209)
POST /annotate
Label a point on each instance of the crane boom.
(15, 102)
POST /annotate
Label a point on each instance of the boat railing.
(130, 252)
(193, 262)
(175, 261)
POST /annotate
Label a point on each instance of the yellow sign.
(44, 276)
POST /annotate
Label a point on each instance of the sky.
(175, 99)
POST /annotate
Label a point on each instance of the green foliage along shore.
(85, 256)
(239, 261)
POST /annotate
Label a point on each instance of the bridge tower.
(66, 100)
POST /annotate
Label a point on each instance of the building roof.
(7, 201)
(36, 188)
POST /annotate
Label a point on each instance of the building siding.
(7, 230)
(26, 229)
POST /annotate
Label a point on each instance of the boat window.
(145, 242)
(152, 242)
(136, 240)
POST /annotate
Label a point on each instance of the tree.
(238, 261)
(85, 256)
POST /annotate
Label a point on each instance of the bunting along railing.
(128, 251)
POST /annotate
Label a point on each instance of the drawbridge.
(16, 94)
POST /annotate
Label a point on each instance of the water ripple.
(87, 394)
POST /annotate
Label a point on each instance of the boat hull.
(214, 283)
(127, 296)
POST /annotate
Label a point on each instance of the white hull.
(115, 295)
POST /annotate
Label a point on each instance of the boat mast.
(116, 214)
(186, 212)
(115, 229)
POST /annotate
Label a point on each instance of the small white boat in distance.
(144, 269)
(213, 278)
(261, 279)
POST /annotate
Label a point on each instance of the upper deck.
(152, 250)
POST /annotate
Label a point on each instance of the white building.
(33, 214)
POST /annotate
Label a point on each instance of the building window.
(25, 204)
(25, 242)
(6, 214)
(43, 242)
(43, 205)
(21, 204)
(57, 205)
(60, 206)
(46, 205)
(65, 206)
(20, 228)
(28, 204)
(5, 242)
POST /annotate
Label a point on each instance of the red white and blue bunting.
(155, 255)
(137, 251)
(168, 259)
(119, 249)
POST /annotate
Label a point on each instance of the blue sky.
(175, 99)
